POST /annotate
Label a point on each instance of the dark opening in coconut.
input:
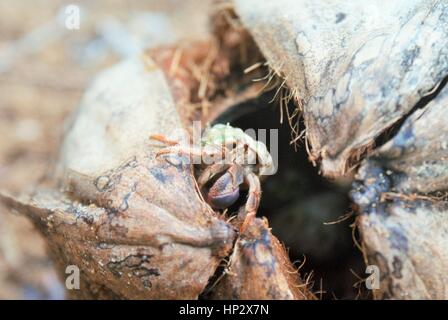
(304, 209)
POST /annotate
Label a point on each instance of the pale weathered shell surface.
(358, 67)
(133, 224)
(418, 153)
(407, 241)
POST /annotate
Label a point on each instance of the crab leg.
(253, 200)
(196, 152)
(162, 138)
(175, 148)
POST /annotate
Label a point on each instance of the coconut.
(368, 80)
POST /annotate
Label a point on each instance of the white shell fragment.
(358, 67)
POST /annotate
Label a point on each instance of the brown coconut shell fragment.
(122, 255)
(259, 269)
(134, 225)
(209, 77)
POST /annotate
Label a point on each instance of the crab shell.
(226, 135)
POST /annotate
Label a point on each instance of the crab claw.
(224, 192)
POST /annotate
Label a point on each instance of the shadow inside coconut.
(305, 209)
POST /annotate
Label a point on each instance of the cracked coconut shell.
(357, 70)
(135, 225)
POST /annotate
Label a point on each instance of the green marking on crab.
(222, 133)
(228, 136)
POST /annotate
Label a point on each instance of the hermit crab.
(227, 159)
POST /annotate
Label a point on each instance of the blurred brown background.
(44, 69)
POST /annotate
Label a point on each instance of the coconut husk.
(417, 155)
(258, 255)
(355, 68)
(362, 75)
(402, 197)
(136, 225)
